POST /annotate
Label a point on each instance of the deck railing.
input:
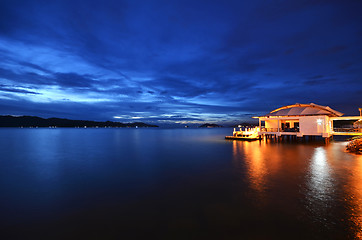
(280, 130)
(357, 130)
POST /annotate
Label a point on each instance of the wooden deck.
(347, 133)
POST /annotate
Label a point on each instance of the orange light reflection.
(260, 163)
(356, 196)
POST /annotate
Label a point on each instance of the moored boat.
(249, 134)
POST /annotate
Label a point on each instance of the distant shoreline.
(38, 122)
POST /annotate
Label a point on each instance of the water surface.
(174, 184)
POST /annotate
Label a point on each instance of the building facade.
(301, 120)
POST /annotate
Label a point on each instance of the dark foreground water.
(174, 184)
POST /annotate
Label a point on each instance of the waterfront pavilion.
(299, 120)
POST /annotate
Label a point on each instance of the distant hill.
(30, 121)
(209, 125)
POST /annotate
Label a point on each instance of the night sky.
(178, 62)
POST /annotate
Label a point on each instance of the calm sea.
(174, 184)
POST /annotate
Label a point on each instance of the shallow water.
(174, 184)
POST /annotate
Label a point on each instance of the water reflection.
(335, 189)
(256, 169)
(320, 192)
(355, 197)
(320, 181)
(320, 184)
(305, 191)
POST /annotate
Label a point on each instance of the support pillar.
(259, 124)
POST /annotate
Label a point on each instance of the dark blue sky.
(167, 62)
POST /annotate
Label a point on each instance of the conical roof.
(304, 110)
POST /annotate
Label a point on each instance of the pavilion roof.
(304, 110)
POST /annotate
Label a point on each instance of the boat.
(250, 134)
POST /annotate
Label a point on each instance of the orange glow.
(256, 167)
(254, 162)
(260, 162)
(322, 176)
(356, 196)
(353, 188)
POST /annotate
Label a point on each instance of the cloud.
(15, 89)
(73, 80)
(191, 60)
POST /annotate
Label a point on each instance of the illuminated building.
(299, 120)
